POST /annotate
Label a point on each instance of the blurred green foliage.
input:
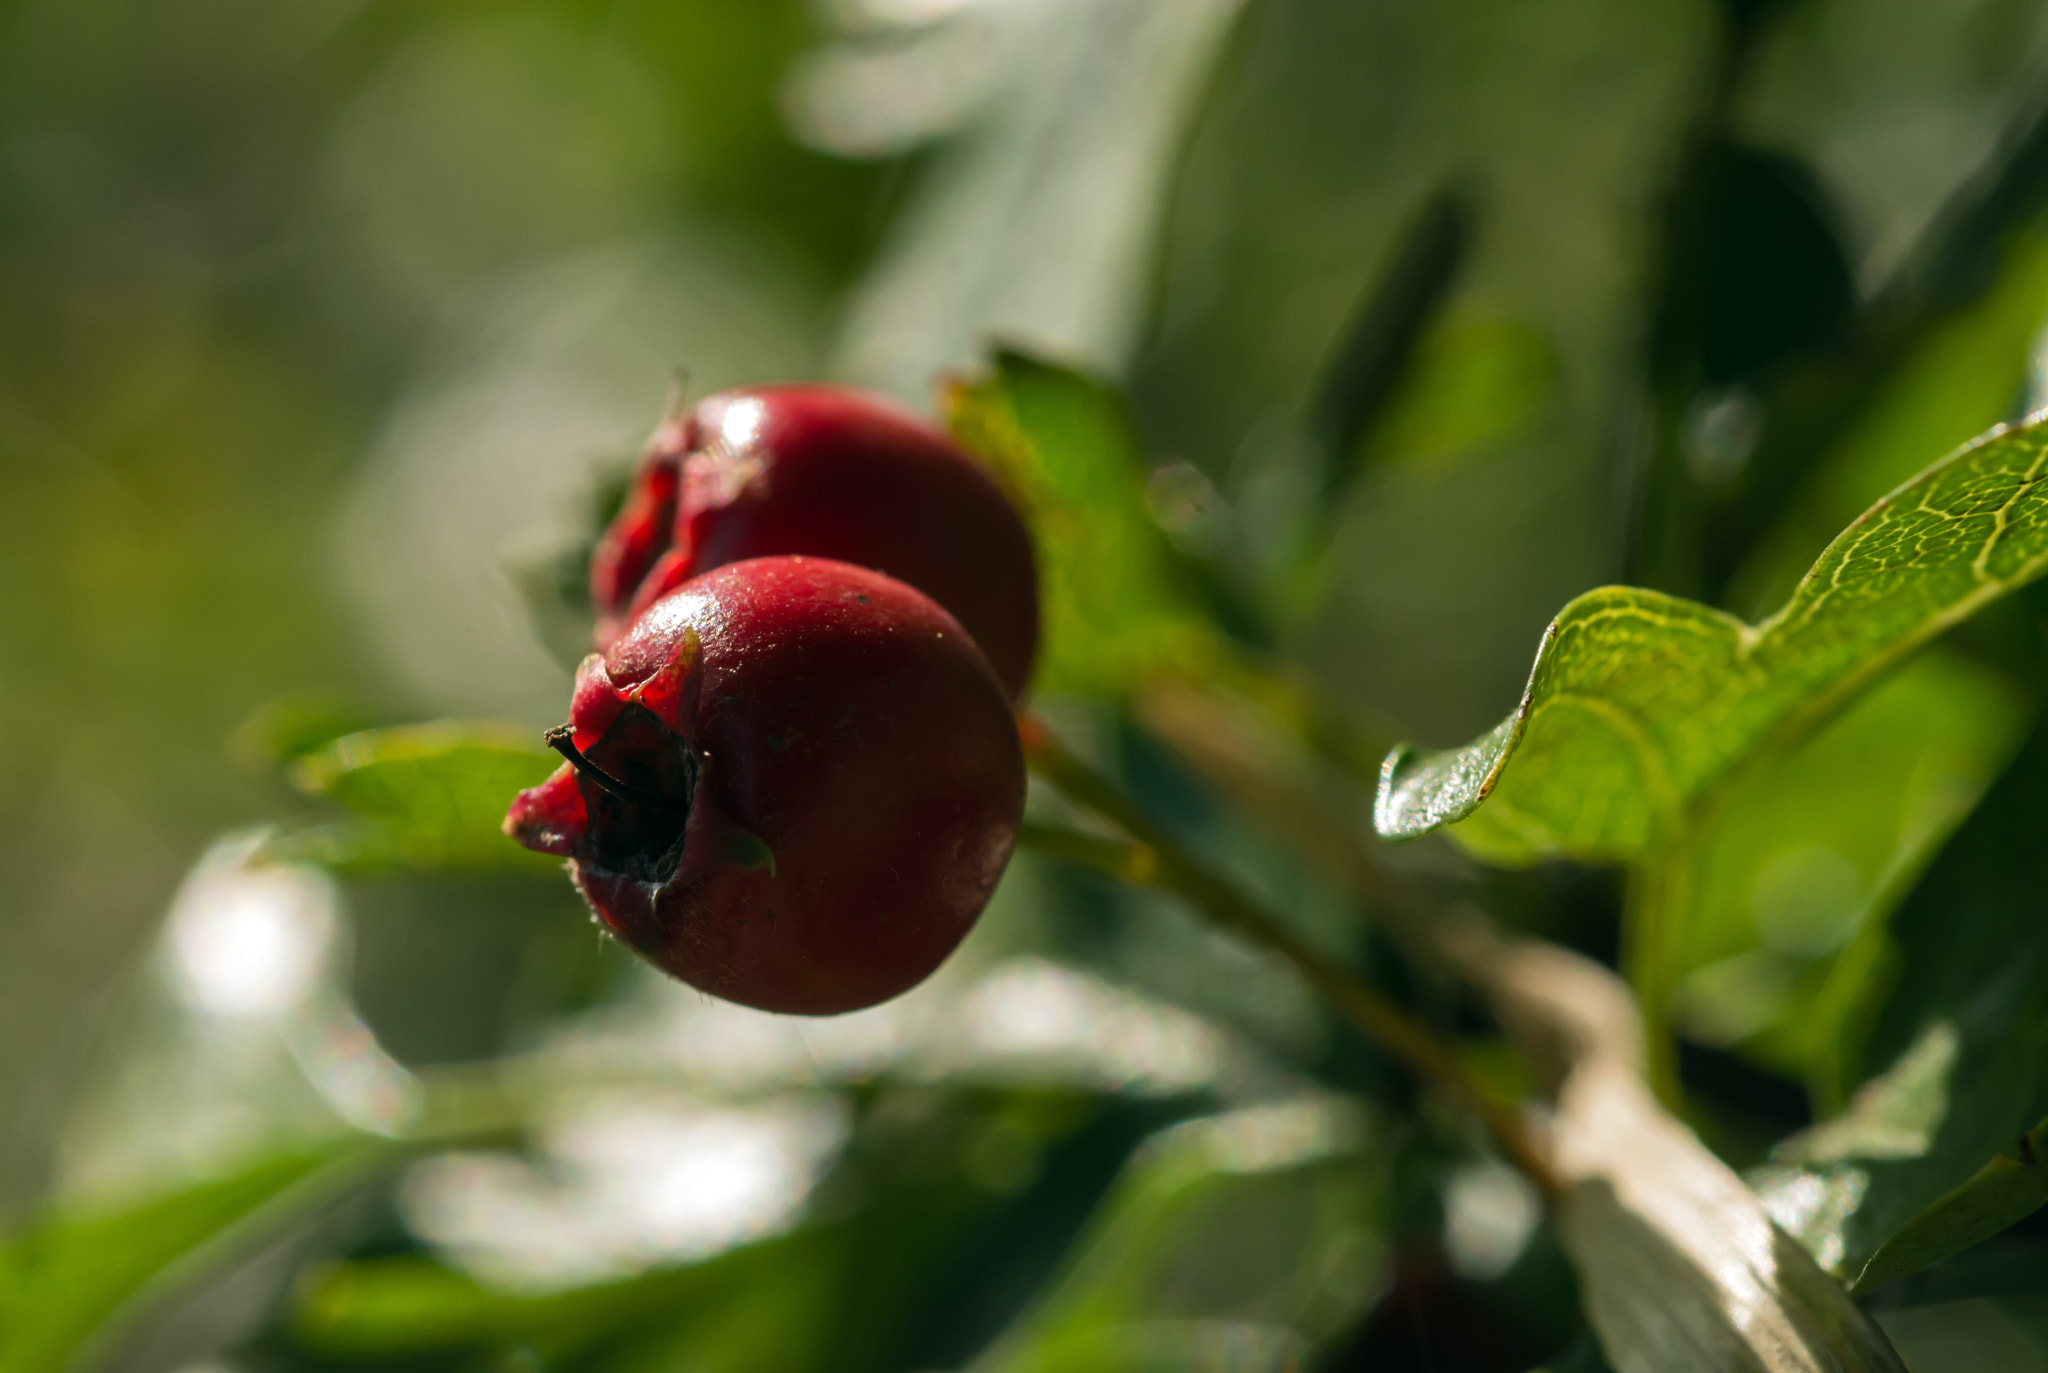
(62, 1276)
(327, 327)
(1115, 612)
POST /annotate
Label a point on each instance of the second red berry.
(826, 472)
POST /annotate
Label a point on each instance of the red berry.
(794, 783)
(829, 473)
(639, 534)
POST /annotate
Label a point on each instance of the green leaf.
(1958, 380)
(1804, 857)
(288, 728)
(428, 796)
(1472, 385)
(381, 1309)
(1818, 1185)
(1375, 353)
(1912, 1172)
(930, 1229)
(2003, 1192)
(1223, 1233)
(65, 1276)
(1116, 609)
(1641, 705)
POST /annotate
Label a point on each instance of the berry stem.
(562, 739)
(1156, 860)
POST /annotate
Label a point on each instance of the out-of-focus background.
(324, 328)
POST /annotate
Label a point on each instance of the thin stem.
(1210, 736)
(1656, 901)
(1240, 763)
(1158, 861)
(1124, 860)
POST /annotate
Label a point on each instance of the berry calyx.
(792, 783)
(825, 472)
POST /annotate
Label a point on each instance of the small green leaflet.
(1836, 1185)
(1115, 610)
(1641, 704)
(2003, 1192)
(426, 796)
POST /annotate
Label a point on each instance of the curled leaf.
(1641, 704)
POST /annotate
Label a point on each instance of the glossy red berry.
(638, 535)
(830, 473)
(793, 784)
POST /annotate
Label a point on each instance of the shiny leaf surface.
(1641, 705)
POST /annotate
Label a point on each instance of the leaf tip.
(1388, 814)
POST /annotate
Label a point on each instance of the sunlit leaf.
(1641, 705)
(1803, 856)
(2003, 1192)
(66, 1275)
(1218, 1243)
(1957, 380)
(1963, 1039)
(1818, 1185)
(1115, 610)
(426, 796)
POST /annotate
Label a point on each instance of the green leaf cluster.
(1827, 816)
(67, 1276)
